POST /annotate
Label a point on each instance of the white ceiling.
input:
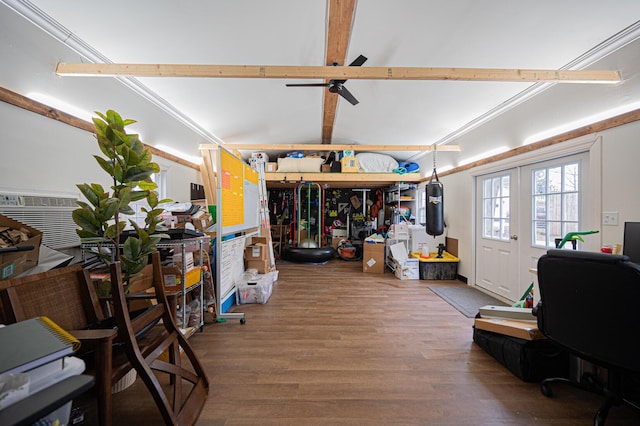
(546, 34)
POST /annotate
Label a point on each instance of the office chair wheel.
(546, 390)
(600, 417)
(243, 321)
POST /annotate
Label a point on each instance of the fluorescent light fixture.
(441, 169)
(60, 105)
(36, 16)
(585, 121)
(483, 155)
(589, 58)
(173, 151)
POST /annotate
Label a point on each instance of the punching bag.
(435, 209)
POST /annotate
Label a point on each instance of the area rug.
(465, 299)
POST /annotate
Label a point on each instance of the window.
(422, 206)
(160, 179)
(496, 207)
(555, 202)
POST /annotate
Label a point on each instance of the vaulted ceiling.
(180, 112)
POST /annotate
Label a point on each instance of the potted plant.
(129, 164)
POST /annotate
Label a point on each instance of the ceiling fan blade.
(358, 61)
(307, 85)
(342, 91)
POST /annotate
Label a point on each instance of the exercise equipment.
(435, 207)
(308, 247)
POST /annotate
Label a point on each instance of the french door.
(519, 214)
(497, 246)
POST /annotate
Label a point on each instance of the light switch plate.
(610, 218)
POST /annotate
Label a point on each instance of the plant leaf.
(89, 193)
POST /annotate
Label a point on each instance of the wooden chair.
(67, 296)
(165, 358)
(278, 239)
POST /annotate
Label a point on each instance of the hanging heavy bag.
(435, 208)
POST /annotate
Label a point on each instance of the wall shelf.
(279, 180)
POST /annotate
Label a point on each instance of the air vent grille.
(49, 214)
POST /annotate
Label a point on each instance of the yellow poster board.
(232, 188)
(238, 193)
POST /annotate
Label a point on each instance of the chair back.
(590, 305)
(66, 295)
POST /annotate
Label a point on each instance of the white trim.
(591, 143)
(39, 18)
(602, 50)
(573, 146)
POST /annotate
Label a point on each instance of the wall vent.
(50, 214)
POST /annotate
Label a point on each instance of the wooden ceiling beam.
(338, 72)
(333, 147)
(340, 18)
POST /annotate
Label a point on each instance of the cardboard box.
(14, 263)
(339, 232)
(262, 266)
(373, 258)
(256, 251)
(522, 329)
(202, 220)
(173, 278)
(271, 167)
(188, 259)
(257, 240)
(256, 248)
(405, 268)
(325, 168)
(349, 164)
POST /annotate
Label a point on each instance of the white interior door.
(497, 240)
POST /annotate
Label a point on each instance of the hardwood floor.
(334, 346)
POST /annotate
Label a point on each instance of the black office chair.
(590, 305)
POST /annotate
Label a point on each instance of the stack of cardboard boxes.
(256, 255)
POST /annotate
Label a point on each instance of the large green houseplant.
(129, 164)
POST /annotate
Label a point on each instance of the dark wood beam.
(338, 35)
(599, 126)
(30, 105)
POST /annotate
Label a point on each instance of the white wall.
(620, 178)
(44, 156)
(620, 193)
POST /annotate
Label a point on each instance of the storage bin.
(45, 376)
(255, 291)
(433, 268)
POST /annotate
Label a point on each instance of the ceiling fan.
(337, 86)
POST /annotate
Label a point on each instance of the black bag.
(435, 206)
(529, 360)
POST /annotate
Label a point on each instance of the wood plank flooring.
(334, 346)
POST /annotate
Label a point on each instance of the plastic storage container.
(445, 268)
(257, 290)
(42, 377)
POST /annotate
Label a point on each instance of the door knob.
(514, 237)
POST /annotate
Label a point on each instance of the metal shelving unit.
(180, 247)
